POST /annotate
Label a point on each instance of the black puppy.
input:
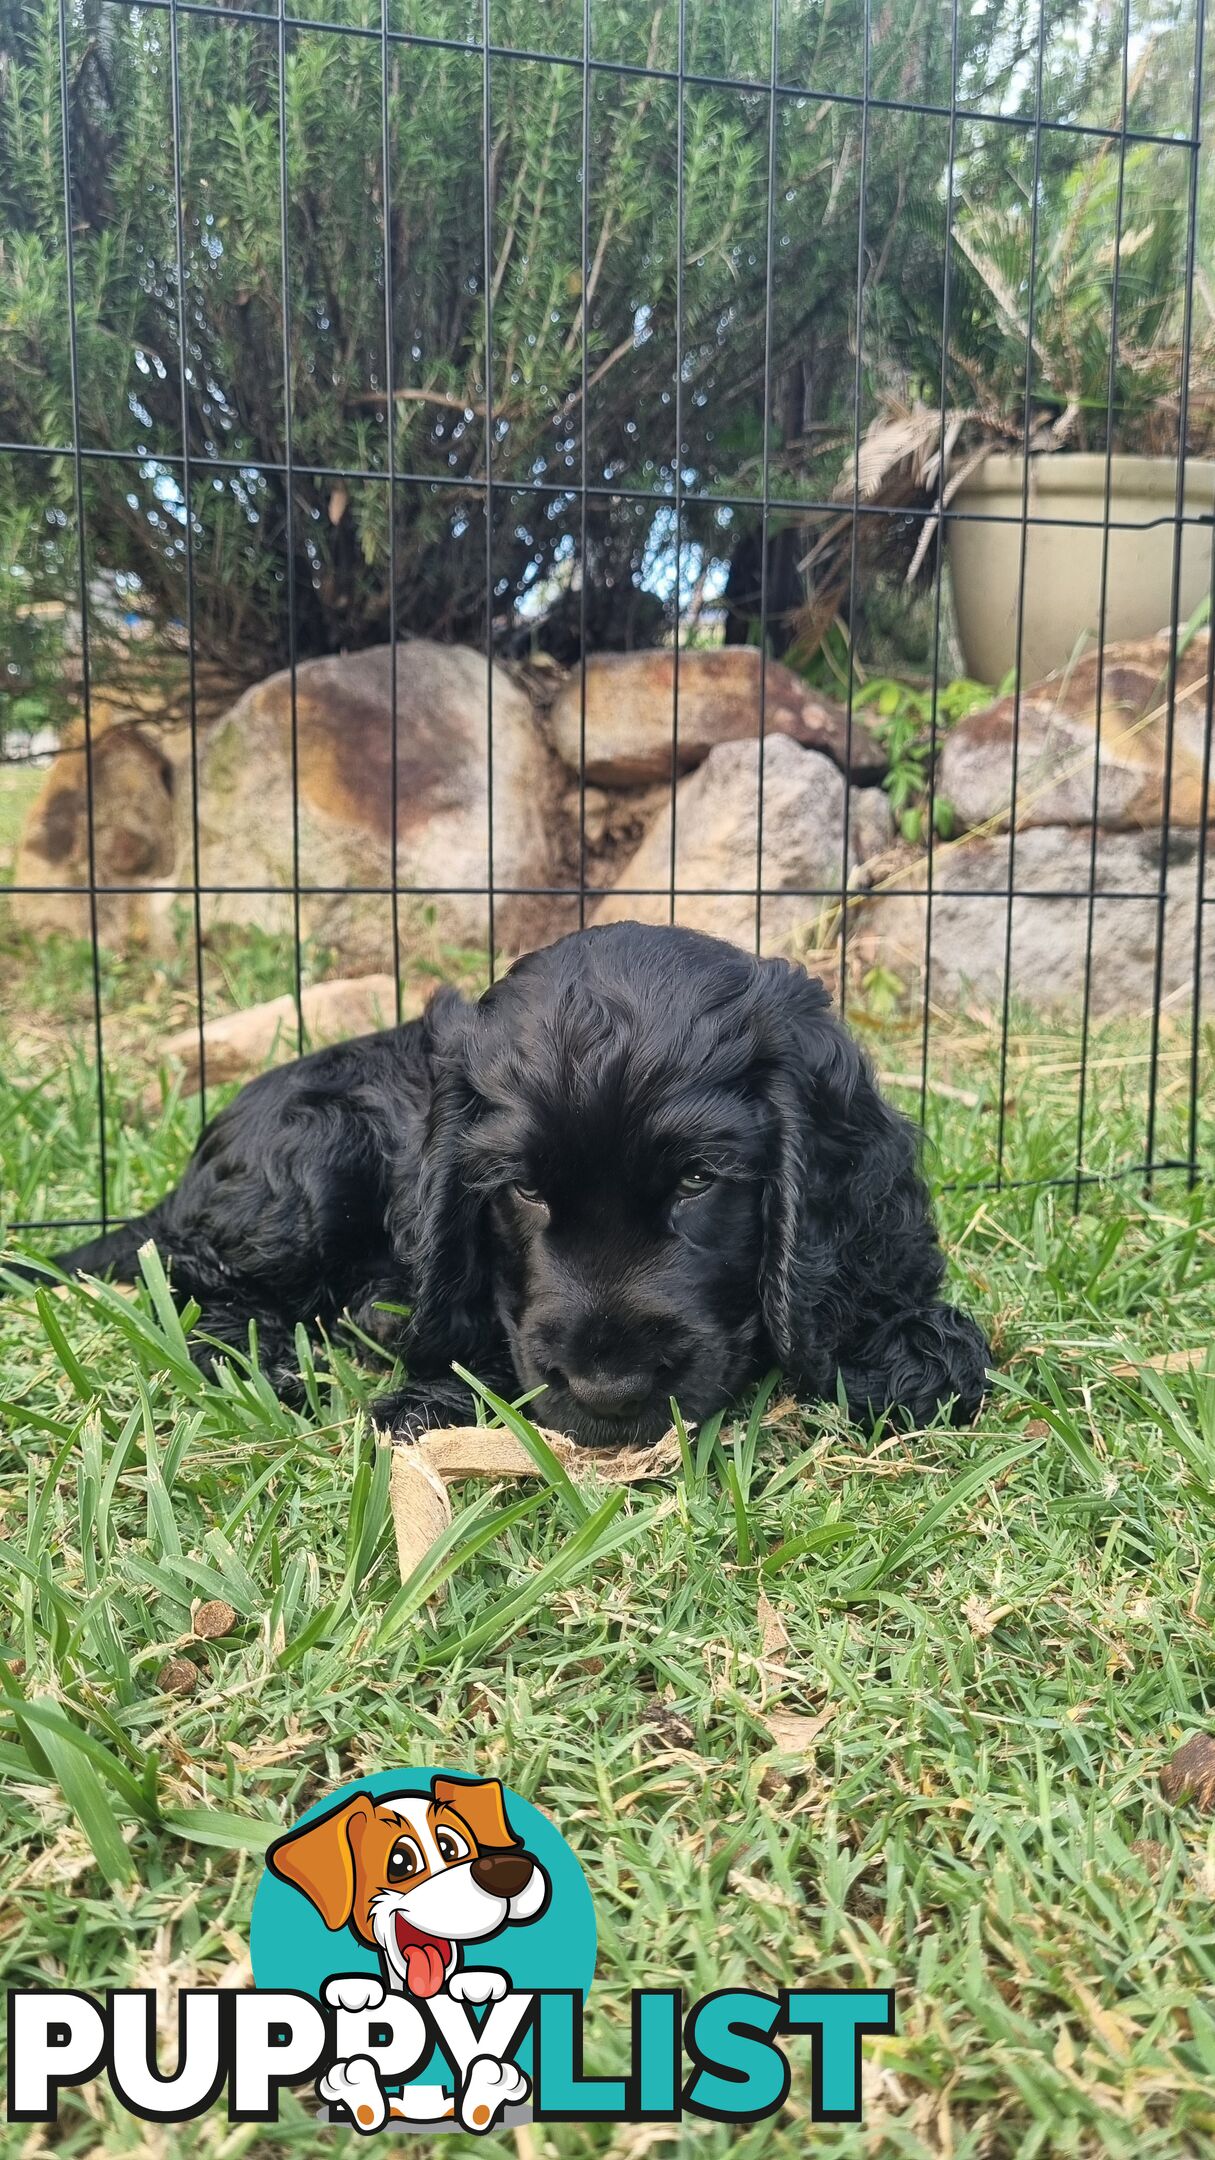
(643, 1165)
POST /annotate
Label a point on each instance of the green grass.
(999, 1636)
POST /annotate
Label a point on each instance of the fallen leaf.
(773, 1634)
(421, 1510)
(1162, 1361)
(213, 1619)
(794, 1734)
(1191, 1773)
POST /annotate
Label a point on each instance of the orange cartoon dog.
(415, 1876)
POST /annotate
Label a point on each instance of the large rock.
(716, 823)
(1049, 919)
(630, 705)
(344, 746)
(1058, 737)
(131, 782)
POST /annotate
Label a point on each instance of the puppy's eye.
(404, 1861)
(451, 1845)
(694, 1181)
(530, 1195)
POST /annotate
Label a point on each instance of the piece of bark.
(421, 1471)
(1190, 1775)
(421, 1510)
(459, 1451)
(243, 1043)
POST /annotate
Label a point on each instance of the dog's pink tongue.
(424, 1965)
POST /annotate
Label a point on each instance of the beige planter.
(1063, 561)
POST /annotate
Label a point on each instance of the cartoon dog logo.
(415, 1876)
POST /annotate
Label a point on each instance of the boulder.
(1058, 734)
(1049, 919)
(630, 704)
(343, 753)
(716, 813)
(132, 791)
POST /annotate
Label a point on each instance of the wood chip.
(177, 1676)
(213, 1619)
(421, 1510)
(1191, 1774)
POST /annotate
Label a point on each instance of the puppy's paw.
(411, 1413)
(478, 1985)
(490, 2087)
(354, 1991)
(355, 2086)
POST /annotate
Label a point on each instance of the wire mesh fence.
(555, 331)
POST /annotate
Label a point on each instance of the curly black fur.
(642, 1165)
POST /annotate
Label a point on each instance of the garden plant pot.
(1062, 611)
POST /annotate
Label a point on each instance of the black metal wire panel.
(493, 483)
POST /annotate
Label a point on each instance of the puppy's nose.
(611, 1394)
(503, 1874)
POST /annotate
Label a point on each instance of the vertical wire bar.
(857, 382)
(289, 523)
(1200, 895)
(939, 553)
(391, 412)
(765, 485)
(1183, 429)
(1111, 384)
(585, 423)
(1203, 825)
(86, 686)
(680, 209)
(487, 220)
(1031, 318)
(191, 653)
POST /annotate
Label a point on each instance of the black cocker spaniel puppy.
(643, 1165)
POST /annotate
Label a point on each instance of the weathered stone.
(131, 781)
(342, 755)
(630, 708)
(716, 828)
(1049, 919)
(1058, 736)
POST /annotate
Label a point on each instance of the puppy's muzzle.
(503, 1874)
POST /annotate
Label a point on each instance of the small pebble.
(177, 1676)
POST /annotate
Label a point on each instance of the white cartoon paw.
(355, 2086)
(354, 1991)
(489, 2087)
(480, 1984)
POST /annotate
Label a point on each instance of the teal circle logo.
(423, 1891)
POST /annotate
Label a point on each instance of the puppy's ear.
(480, 1804)
(319, 1859)
(848, 1234)
(439, 1229)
